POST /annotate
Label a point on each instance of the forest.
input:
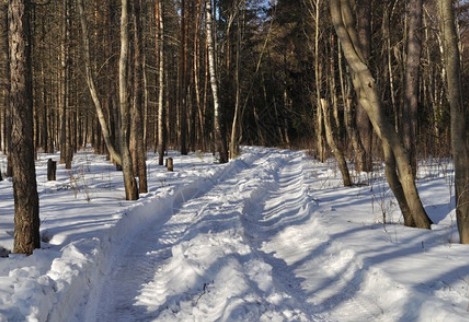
(362, 81)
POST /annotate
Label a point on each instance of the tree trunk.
(137, 106)
(183, 81)
(331, 141)
(365, 87)
(90, 79)
(66, 152)
(234, 142)
(220, 139)
(5, 85)
(318, 82)
(131, 189)
(26, 234)
(459, 116)
(365, 131)
(411, 78)
(161, 145)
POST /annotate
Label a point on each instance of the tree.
(411, 77)
(138, 128)
(26, 234)
(459, 116)
(66, 151)
(219, 135)
(131, 189)
(122, 157)
(5, 84)
(366, 89)
(161, 139)
(90, 80)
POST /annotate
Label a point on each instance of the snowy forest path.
(233, 248)
(137, 286)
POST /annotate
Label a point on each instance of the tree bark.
(66, 151)
(365, 86)
(331, 141)
(161, 141)
(459, 116)
(365, 131)
(131, 189)
(90, 79)
(5, 86)
(220, 139)
(137, 106)
(411, 78)
(26, 233)
(320, 142)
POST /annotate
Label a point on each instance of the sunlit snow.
(270, 236)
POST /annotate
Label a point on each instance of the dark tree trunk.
(137, 106)
(411, 78)
(26, 235)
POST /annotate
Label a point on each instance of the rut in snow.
(187, 266)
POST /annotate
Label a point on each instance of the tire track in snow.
(283, 203)
(331, 278)
(146, 255)
(275, 225)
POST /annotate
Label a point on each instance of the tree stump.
(51, 170)
(169, 164)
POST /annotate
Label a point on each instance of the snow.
(270, 236)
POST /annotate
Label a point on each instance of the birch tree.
(219, 135)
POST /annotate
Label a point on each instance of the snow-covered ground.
(270, 236)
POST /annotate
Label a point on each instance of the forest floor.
(270, 236)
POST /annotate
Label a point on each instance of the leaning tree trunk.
(220, 139)
(365, 86)
(459, 117)
(331, 141)
(26, 233)
(130, 183)
(90, 79)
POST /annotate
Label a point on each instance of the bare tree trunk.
(220, 139)
(138, 106)
(66, 152)
(26, 234)
(365, 87)
(5, 85)
(331, 141)
(234, 143)
(196, 74)
(459, 116)
(365, 131)
(349, 116)
(90, 79)
(411, 78)
(161, 115)
(320, 142)
(131, 190)
(183, 81)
